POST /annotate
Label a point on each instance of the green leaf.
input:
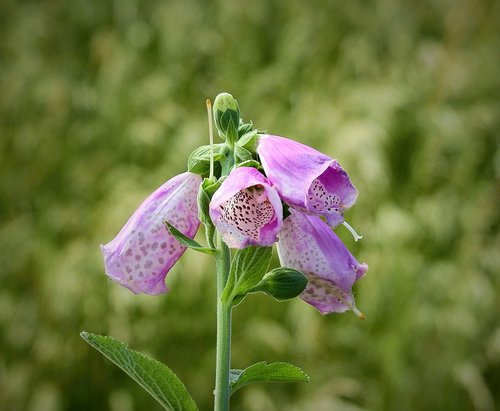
(247, 268)
(188, 242)
(282, 283)
(199, 159)
(264, 372)
(156, 378)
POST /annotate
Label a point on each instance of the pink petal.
(307, 244)
(142, 253)
(246, 210)
(306, 178)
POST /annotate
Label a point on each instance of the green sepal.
(250, 163)
(264, 372)
(249, 141)
(231, 131)
(207, 189)
(282, 283)
(188, 242)
(242, 153)
(205, 193)
(156, 378)
(244, 128)
(199, 159)
(247, 268)
(211, 186)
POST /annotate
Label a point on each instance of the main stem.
(223, 360)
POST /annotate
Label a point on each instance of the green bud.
(227, 117)
(282, 283)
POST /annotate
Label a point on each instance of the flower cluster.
(287, 193)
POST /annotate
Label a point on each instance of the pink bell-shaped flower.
(307, 244)
(306, 178)
(142, 253)
(246, 210)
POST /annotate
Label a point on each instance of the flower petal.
(142, 253)
(306, 178)
(307, 244)
(246, 210)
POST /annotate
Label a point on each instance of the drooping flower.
(307, 244)
(142, 253)
(306, 178)
(246, 210)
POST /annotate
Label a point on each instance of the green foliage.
(188, 242)
(156, 378)
(199, 159)
(101, 102)
(264, 372)
(247, 268)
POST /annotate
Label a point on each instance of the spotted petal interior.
(244, 214)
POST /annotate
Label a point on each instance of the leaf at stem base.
(156, 378)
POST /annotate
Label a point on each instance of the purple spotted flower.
(307, 244)
(246, 210)
(142, 253)
(306, 178)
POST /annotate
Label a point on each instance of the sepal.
(242, 153)
(244, 128)
(207, 188)
(250, 163)
(249, 141)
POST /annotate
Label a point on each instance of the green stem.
(223, 361)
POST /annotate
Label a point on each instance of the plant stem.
(223, 360)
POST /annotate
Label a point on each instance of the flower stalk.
(224, 311)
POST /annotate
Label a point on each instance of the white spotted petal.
(307, 244)
(143, 252)
(246, 210)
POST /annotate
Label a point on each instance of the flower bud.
(227, 117)
(282, 283)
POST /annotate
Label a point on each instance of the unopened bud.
(282, 283)
(227, 117)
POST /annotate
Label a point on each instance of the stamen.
(352, 231)
(211, 135)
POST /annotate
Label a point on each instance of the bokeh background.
(102, 101)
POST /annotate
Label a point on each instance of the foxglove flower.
(142, 253)
(306, 178)
(307, 244)
(246, 210)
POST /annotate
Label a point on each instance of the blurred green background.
(102, 101)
